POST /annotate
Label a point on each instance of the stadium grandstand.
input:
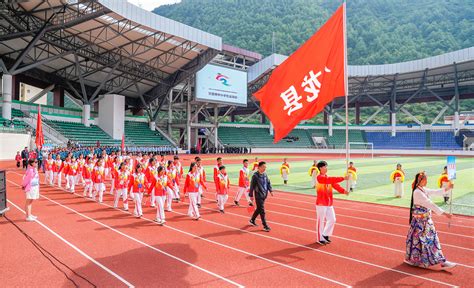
(103, 69)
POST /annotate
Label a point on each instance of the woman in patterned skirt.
(423, 248)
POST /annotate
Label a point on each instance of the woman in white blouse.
(422, 245)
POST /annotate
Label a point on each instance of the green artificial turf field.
(373, 183)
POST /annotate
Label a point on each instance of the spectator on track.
(18, 159)
(260, 186)
(422, 245)
(30, 184)
(24, 157)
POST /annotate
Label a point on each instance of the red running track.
(109, 247)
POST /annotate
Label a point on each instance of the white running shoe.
(30, 218)
(448, 265)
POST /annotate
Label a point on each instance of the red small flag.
(123, 142)
(39, 131)
(308, 80)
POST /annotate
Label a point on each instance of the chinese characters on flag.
(308, 80)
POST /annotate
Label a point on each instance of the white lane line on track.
(120, 278)
(340, 237)
(192, 235)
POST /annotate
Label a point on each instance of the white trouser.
(99, 188)
(79, 178)
(49, 177)
(199, 199)
(121, 192)
(221, 200)
(160, 208)
(398, 188)
(112, 187)
(325, 213)
(137, 198)
(352, 183)
(72, 182)
(67, 182)
(58, 177)
(193, 210)
(169, 198)
(153, 198)
(88, 187)
(314, 179)
(176, 191)
(284, 175)
(447, 192)
(242, 191)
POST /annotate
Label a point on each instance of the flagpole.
(346, 96)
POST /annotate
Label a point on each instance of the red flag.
(308, 80)
(39, 130)
(123, 142)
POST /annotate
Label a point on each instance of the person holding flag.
(443, 182)
(352, 179)
(313, 173)
(285, 171)
(397, 177)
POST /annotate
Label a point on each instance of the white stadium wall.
(10, 143)
(112, 115)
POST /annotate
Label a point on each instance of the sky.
(152, 4)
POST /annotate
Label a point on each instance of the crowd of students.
(151, 180)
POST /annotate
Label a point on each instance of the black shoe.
(327, 239)
(351, 190)
(250, 204)
(236, 203)
(202, 196)
(322, 242)
(252, 222)
(446, 199)
(222, 211)
(266, 229)
(199, 205)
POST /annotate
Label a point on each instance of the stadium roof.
(103, 46)
(437, 73)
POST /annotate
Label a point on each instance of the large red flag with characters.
(308, 80)
(39, 131)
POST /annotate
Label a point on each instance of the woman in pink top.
(31, 186)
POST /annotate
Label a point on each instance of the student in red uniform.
(48, 167)
(162, 160)
(72, 172)
(172, 172)
(114, 168)
(98, 178)
(159, 186)
(178, 166)
(244, 184)
(87, 175)
(66, 164)
(81, 162)
(202, 172)
(18, 159)
(151, 173)
(122, 177)
(324, 201)
(137, 186)
(223, 191)
(443, 182)
(216, 172)
(57, 169)
(191, 187)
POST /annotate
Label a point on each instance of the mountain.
(379, 31)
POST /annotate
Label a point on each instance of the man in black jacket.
(260, 186)
(24, 157)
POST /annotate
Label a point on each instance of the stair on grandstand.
(338, 138)
(87, 136)
(140, 135)
(18, 125)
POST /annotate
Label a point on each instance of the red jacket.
(193, 182)
(160, 184)
(98, 175)
(244, 177)
(58, 166)
(216, 172)
(73, 169)
(138, 183)
(48, 165)
(65, 168)
(18, 158)
(324, 189)
(150, 173)
(173, 174)
(224, 184)
(87, 171)
(352, 168)
(121, 179)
